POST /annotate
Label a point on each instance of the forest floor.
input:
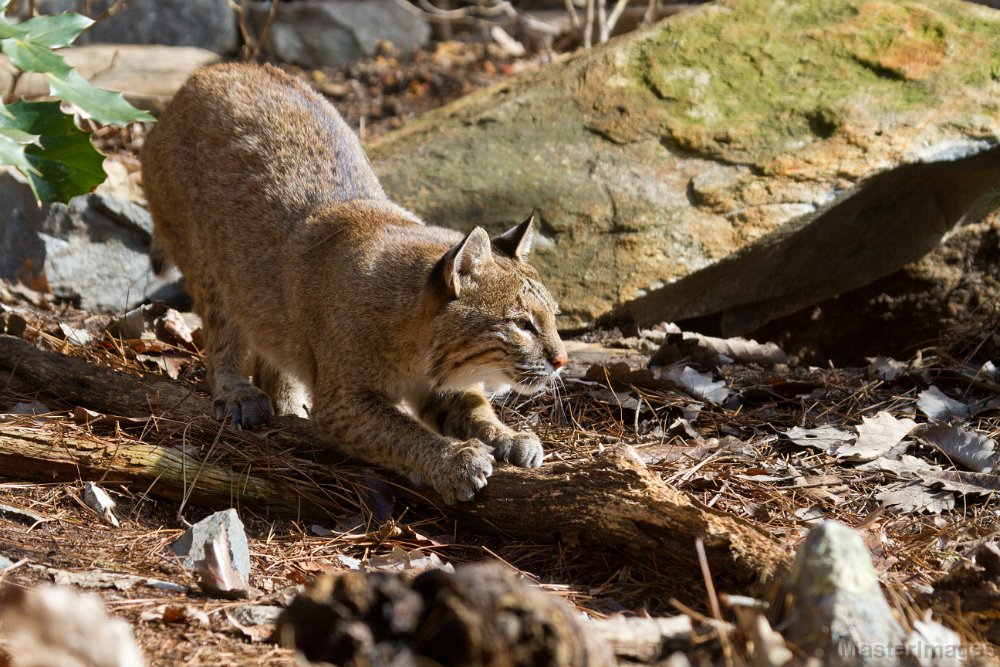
(722, 433)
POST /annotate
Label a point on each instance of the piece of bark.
(611, 500)
(480, 615)
(644, 639)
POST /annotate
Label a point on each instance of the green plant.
(39, 139)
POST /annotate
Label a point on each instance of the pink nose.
(559, 360)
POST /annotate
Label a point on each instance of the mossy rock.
(673, 169)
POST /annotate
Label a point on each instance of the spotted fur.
(307, 276)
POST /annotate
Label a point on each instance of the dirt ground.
(733, 455)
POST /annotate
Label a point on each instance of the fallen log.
(610, 500)
(31, 453)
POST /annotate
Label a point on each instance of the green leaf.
(13, 153)
(64, 163)
(104, 106)
(20, 136)
(31, 57)
(54, 31)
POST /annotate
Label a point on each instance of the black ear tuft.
(516, 241)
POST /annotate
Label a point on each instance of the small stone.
(253, 614)
(191, 545)
(834, 608)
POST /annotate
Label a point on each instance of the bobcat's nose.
(559, 360)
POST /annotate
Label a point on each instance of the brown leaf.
(972, 449)
(909, 497)
(876, 436)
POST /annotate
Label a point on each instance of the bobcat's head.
(497, 325)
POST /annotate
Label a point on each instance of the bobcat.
(310, 279)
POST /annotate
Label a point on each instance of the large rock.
(208, 24)
(93, 252)
(742, 160)
(320, 33)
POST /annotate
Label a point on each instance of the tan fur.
(309, 278)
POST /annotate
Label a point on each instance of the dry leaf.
(75, 336)
(972, 449)
(83, 416)
(414, 561)
(911, 497)
(98, 500)
(976, 483)
(175, 613)
(169, 364)
(697, 384)
(939, 407)
(905, 466)
(256, 622)
(884, 368)
(876, 437)
(825, 438)
(691, 346)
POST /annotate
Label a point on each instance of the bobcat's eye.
(526, 325)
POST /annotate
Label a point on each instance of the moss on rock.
(663, 152)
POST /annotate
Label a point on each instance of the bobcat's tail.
(159, 258)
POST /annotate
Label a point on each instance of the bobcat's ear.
(516, 241)
(465, 259)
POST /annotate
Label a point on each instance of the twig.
(616, 13)
(574, 17)
(588, 28)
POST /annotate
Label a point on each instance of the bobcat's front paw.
(464, 471)
(522, 449)
(246, 406)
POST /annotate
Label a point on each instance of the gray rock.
(255, 614)
(191, 545)
(678, 177)
(208, 24)
(94, 251)
(5, 563)
(831, 604)
(319, 33)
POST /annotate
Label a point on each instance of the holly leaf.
(13, 144)
(54, 32)
(104, 106)
(62, 162)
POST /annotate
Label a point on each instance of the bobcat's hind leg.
(232, 393)
(288, 395)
